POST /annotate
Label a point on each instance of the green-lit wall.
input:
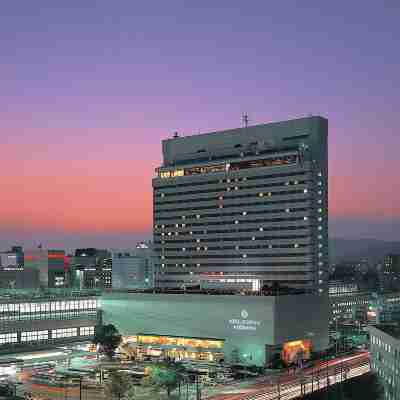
(247, 323)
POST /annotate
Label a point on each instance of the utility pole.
(279, 388)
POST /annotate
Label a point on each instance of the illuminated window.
(261, 229)
(34, 336)
(296, 245)
(162, 194)
(178, 172)
(244, 255)
(320, 210)
(305, 218)
(253, 238)
(260, 194)
(305, 190)
(86, 330)
(8, 338)
(236, 222)
(244, 213)
(197, 216)
(287, 210)
(64, 332)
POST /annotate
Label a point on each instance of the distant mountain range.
(372, 249)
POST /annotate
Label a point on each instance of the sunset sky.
(89, 88)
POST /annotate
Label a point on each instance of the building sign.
(244, 324)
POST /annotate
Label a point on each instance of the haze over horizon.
(90, 90)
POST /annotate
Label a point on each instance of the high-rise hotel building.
(244, 208)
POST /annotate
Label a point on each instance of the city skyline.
(86, 100)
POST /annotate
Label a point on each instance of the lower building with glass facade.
(215, 328)
(385, 357)
(30, 320)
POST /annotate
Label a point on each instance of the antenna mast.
(245, 120)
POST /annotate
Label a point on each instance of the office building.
(133, 268)
(385, 357)
(91, 268)
(50, 265)
(244, 208)
(391, 272)
(35, 320)
(212, 328)
(365, 307)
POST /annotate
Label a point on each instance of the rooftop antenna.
(245, 120)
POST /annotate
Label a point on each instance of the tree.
(163, 376)
(107, 338)
(117, 385)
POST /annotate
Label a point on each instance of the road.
(283, 386)
(290, 386)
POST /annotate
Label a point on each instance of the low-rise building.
(235, 328)
(33, 320)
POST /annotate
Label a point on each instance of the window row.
(231, 266)
(159, 194)
(260, 211)
(218, 181)
(48, 306)
(267, 195)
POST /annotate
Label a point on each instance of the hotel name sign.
(244, 324)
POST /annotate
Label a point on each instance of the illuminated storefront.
(296, 350)
(173, 347)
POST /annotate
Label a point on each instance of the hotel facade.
(244, 208)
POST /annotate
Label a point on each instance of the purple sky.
(89, 88)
